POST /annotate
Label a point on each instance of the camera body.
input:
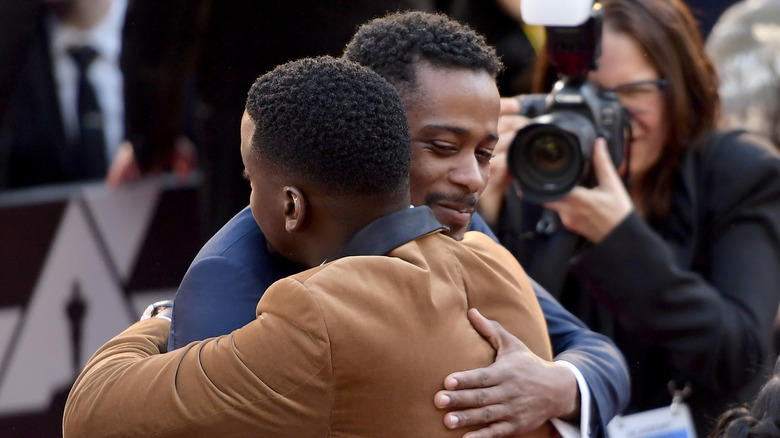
(552, 153)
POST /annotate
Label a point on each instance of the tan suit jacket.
(354, 348)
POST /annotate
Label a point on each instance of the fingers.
(508, 125)
(489, 329)
(508, 397)
(500, 179)
(594, 212)
(113, 177)
(479, 377)
(500, 338)
(495, 430)
(124, 168)
(509, 105)
(184, 157)
(497, 421)
(616, 202)
(471, 399)
(494, 374)
(471, 417)
(605, 171)
(476, 378)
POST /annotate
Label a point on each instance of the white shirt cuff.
(585, 404)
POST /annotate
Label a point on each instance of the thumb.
(605, 171)
(509, 105)
(488, 328)
(499, 338)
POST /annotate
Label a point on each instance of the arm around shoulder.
(216, 296)
(85, 414)
(226, 386)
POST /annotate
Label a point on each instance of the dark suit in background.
(33, 148)
(155, 64)
(237, 40)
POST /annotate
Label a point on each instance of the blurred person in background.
(745, 47)
(72, 91)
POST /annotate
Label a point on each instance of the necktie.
(89, 157)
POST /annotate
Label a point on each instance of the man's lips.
(454, 213)
(457, 206)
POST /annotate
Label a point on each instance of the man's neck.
(82, 14)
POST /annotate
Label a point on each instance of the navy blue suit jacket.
(220, 291)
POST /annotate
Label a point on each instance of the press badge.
(672, 421)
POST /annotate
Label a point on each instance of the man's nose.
(469, 175)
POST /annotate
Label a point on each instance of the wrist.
(569, 396)
(160, 309)
(584, 408)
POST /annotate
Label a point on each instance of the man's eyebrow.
(457, 130)
(454, 129)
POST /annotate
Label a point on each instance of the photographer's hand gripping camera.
(552, 154)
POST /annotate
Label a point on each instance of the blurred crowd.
(170, 80)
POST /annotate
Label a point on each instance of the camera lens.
(550, 154)
(548, 157)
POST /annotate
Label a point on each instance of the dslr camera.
(552, 154)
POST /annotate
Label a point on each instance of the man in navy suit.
(448, 89)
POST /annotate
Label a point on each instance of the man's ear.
(294, 208)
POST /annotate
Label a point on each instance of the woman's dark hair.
(758, 421)
(668, 34)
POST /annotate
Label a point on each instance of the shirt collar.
(391, 231)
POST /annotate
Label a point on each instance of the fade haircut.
(393, 44)
(334, 123)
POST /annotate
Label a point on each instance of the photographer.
(675, 253)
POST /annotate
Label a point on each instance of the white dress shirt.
(104, 73)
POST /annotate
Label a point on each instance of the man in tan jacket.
(359, 344)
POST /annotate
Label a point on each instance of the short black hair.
(332, 122)
(393, 44)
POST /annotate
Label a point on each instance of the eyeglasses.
(640, 96)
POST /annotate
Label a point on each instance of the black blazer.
(33, 148)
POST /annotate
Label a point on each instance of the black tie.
(89, 159)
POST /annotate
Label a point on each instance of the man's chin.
(457, 222)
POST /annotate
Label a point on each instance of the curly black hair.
(393, 44)
(761, 420)
(332, 122)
